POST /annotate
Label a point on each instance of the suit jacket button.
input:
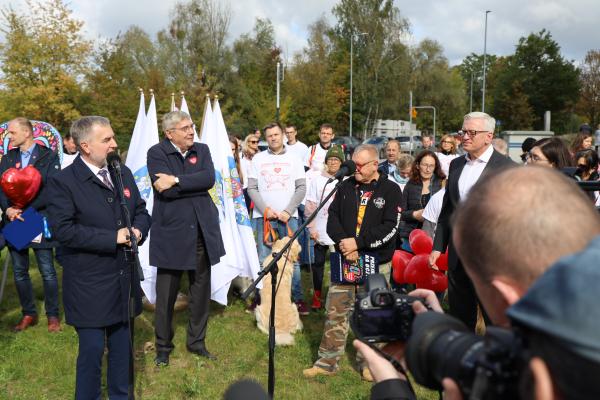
(110, 199)
(119, 223)
(191, 226)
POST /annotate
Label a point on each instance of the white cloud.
(457, 24)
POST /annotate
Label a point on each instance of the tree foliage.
(589, 99)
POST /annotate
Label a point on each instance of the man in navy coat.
(186, 234)
(85, 216)
(26, 152)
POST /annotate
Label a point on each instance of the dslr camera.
(380, 314)
(484, 367)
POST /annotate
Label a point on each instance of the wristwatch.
(176, 180)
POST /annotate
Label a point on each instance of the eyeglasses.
(427, 166)
(361, 166)
(187, 128)
(582, 166)
(535, 159)
(470, 134)
(253, 141)
(448, 141)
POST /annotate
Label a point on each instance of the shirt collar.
(29, 151)
(183, 153)
(92, 167)
(485, 157)
(283, 151)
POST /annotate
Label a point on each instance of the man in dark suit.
(186, 234)
(85, 216)
(26, 152)
(481, 158)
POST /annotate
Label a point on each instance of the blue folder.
(21, 233)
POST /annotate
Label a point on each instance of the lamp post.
(351, 56)
(484, 62)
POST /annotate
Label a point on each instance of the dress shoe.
(26, 321)
(53, 324)
(202, 352)
(162, 358)
(313, 372)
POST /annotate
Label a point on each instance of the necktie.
(104, 174)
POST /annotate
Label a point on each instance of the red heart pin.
(21, 185)
(193, 160)
(127, 192)
(277, 170)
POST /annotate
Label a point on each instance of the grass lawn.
(37, 365)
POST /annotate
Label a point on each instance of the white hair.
(490, 123)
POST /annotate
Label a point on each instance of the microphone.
(114, 161)
(348, 168)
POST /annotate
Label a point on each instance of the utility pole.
(351, 57)
(410, 112)
(471, 96)
(484, 62)
(278, 85)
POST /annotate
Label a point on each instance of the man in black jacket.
(363, 217)
(481, 158)
(26, 152)
(185, 234)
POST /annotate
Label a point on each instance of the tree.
(547, 80)
(435, 84)
(43, 59)
(380, 58)
(589, 99)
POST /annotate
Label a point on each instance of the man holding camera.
(363, 217)
(517, 221)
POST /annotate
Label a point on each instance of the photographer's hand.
(429, 298)
(380, 368)
(451, 390)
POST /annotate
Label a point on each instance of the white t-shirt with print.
(276, 176)
(434, 207)
(315, 194)
(299, 149)
(314, 158)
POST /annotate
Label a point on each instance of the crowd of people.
(502, 227)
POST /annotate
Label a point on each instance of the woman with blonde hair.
(447, 152)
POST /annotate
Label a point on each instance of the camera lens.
(441, 346)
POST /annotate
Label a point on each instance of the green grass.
(37, 365)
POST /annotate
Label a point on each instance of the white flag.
(145, 135)
(185, 109)
(241, 258)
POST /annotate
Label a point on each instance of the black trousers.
(167, 286)
(462, 297)
(319, 265)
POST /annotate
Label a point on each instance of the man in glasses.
(185, 234)
(481, 158)
(371, 194)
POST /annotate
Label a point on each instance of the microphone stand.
(133, 263)
(273, 270)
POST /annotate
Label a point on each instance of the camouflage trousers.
(339, 303)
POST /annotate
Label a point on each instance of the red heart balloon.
(420, 242)
(417, 269)
(21, 185)
(400, 260)
(442, 261)
(436, 281)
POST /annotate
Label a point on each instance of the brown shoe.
(26, 321)
(53, 324)
(313, 372)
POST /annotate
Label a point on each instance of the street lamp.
(484, 62)
(351, 56)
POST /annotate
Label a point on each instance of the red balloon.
(437, 281)
(417, 269)
(21, 185)
(420, 242)
(442, 262)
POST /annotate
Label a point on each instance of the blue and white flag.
(145, 135)
(185, 109)
(241, 258)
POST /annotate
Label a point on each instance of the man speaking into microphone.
(363, 218)
(86, 218)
